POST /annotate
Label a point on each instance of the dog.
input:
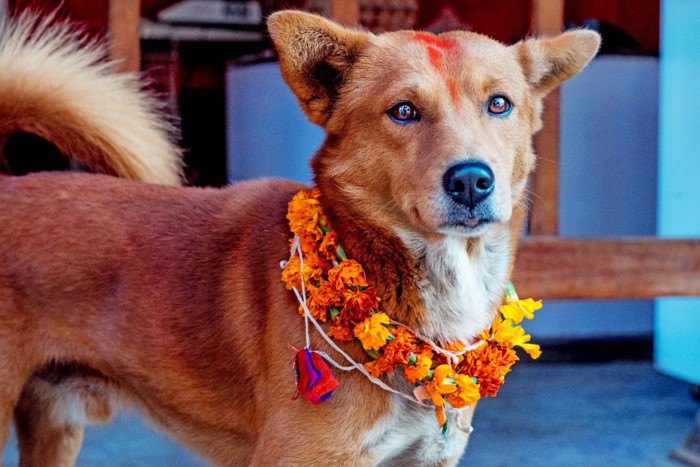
(169, 299)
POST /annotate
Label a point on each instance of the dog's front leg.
(44, 441)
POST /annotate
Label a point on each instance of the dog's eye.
(499, 106)
(404, 113)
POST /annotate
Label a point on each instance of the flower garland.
(332, 288)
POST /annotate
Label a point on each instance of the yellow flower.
(420, 370)
(506, 333)
(372, 332)
(466, 394)
(518, 309)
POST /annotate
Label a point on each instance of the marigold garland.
(336, 290)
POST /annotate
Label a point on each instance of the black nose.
(468, 183)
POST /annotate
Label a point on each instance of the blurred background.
(620, 155)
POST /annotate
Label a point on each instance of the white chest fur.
(410, 435)
(460, 289)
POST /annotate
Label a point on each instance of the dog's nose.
(469, 183)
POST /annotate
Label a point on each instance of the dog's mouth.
(471, 226)
(474, 222)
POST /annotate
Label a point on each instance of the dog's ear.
(315, 56)
(548, 62)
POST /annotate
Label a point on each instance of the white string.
(296, 246)
(452, 356)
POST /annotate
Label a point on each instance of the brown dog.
(170, 299)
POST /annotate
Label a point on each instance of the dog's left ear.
(315, 56)
(550, 61)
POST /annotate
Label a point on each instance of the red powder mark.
(452, 86)
(436, 57)
(436, 41)
(438, 47)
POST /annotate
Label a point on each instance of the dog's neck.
(447, 287)
(389, 266)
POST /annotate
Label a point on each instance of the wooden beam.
(547, 18)
(124, 22)
(346, 11)
(610, 268)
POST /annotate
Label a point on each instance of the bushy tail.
(59, 85)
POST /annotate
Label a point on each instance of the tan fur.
(170, 298)
(57, 84)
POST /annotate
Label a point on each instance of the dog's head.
(429, 133)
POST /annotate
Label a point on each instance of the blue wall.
(267, 134)
(677, 324)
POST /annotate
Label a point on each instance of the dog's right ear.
(315, 56)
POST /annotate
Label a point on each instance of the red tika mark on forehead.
(452, 87)
(438, 42)
(437, 48)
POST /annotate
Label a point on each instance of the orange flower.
(328, 246)
(316, 309)
(304, 212)
(420, 370)
(490, 380)
(341, 332)
(372, 332)
(314, 269)
(440, 414)
(499, 357)
(359, 304)
(489, 363)
(349, 273)
(399, 349)
(308, 242)
(290, 274)
(488, 354)
(318, 264)
(442, 383)
(378, 367)
(327, 295)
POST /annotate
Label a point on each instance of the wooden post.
(547, 19)
(124, 34)
(346, 11)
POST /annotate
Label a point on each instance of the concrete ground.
(568, 415)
